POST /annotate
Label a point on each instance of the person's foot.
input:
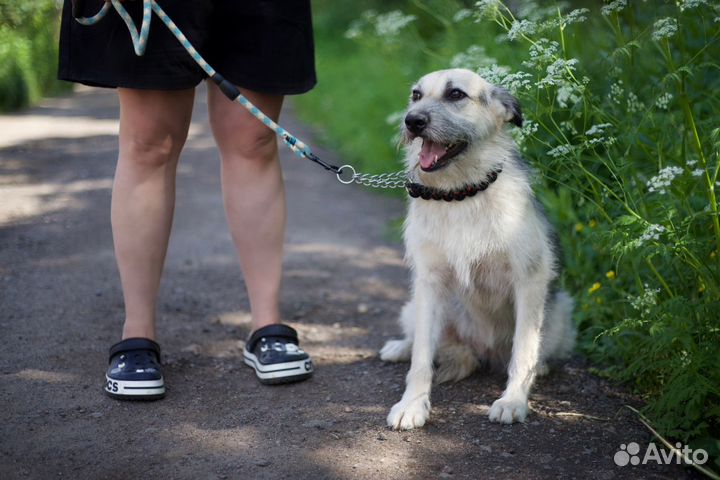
(273, 352)
(135, 371)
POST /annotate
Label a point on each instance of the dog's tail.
(560, 331)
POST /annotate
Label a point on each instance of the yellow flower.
(579, 227)
(595, 287)
(599, 300)
(592, 223)
(701, 288)
(611, 275)
(713, 254)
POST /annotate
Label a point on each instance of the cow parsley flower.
(664, 28)
(528, 129)
(557, 71)
(472, 58)
(613, 7)
(520, 28)
(663, 179)
(391, 23)
(688, 4)
(484, 8)
(616, 92)
(561, 151)
(542, 53)
(597, 130)
(697, 172)
(494, 74)
(634, 104)
(462, 14)
(652, 232)
(643, 303)
(663, 101)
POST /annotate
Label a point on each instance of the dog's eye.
(416, 95)
(456, 94)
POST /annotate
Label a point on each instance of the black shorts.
(262, 45)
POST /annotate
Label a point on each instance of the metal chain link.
(346, 174)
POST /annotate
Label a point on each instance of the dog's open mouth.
(434, 156)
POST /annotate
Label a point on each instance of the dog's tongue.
(429, 152)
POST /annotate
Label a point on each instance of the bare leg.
(254, 195)
(153, 129)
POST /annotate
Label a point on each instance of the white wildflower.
(517, 81)
(646, 301)
(691, 163)
(472, 58)
(389, 24)
(634, 104)
(664, 28)
(597, 130)
(614, 7)
(663, 179)
(560, 151)
(569, 125)
(566, 95)
(557, 72)
(528, 129)
(616, 92)
(494, 74)
(652, 232)
(462, 14)
(485, 7)
(520, 28)
(688, 4)
(663, 101)
(697, 172)
(542, 53)
(578, 15)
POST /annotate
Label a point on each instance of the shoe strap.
(130, 344)
(275, 330)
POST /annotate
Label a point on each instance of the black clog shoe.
(135, 371)
(273, 352)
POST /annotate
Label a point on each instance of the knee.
(151, 146)
(253, 143)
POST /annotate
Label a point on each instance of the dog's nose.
(416, 122)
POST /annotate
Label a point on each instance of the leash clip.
(344, 178)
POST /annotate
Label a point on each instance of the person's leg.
(153, 129)
(254, 195)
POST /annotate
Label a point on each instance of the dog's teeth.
(435, 161)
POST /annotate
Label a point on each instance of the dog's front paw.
(396, 351)
(406, 415)
(508, 410)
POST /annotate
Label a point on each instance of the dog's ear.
(510, 105)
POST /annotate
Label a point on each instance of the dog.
(480, 250)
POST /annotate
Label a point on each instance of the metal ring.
(340, 175)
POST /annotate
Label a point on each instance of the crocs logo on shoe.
(308, 366)
(111, 386)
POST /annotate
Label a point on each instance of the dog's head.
(453, 111)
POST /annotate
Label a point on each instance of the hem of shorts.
(270, 90)
(125, 83)
(295, 89)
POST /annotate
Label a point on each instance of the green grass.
(28, 52)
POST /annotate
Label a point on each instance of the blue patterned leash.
(345, 174)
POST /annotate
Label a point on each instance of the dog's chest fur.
(470, 238)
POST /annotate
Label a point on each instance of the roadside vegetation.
(28, 52)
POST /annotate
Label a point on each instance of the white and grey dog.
(480, 249)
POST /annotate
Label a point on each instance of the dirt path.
(60, 309)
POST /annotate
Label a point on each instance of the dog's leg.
(399, 350)
(512, 406)
(429, 297)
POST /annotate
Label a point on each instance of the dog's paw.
(508, 410)
(406, 415)
(396, 351)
